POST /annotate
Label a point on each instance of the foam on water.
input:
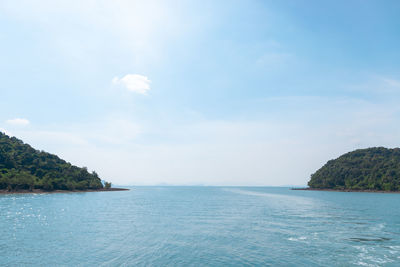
(200, 226)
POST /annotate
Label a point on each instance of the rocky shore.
(40, 191)
(344, 190)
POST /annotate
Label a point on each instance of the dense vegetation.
(375, 168)
(24, 168)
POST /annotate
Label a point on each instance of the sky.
(232, 93)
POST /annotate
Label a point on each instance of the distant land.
(374, 169)
(25, 169)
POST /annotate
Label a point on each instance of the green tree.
(364, 169)
(107, 185)
(23, 167)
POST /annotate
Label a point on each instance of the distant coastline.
(345, 190)
(40, 191)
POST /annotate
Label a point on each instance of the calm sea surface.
(197, 226)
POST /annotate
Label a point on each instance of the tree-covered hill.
(375, 168)
(24, 168)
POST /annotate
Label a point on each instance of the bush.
(107, 185)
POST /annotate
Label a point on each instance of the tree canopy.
(376, 168)
(25, 168)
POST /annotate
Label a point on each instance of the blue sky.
(201, 92)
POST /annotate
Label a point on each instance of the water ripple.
(200, 226)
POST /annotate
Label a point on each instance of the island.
(25, 169)
(375, 169)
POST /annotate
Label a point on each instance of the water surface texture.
(198, 226)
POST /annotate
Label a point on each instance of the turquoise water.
(197, 226)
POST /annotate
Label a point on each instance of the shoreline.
(346, 190)
(40, 191)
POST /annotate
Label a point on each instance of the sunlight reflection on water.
(194, 226)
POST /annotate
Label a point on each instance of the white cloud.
(18, 122)
(266, 151)
(391, 84)
(134, 82)
(274, 60)
(383, 86)
(271, 150)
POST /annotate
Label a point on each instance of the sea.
(200, 226)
